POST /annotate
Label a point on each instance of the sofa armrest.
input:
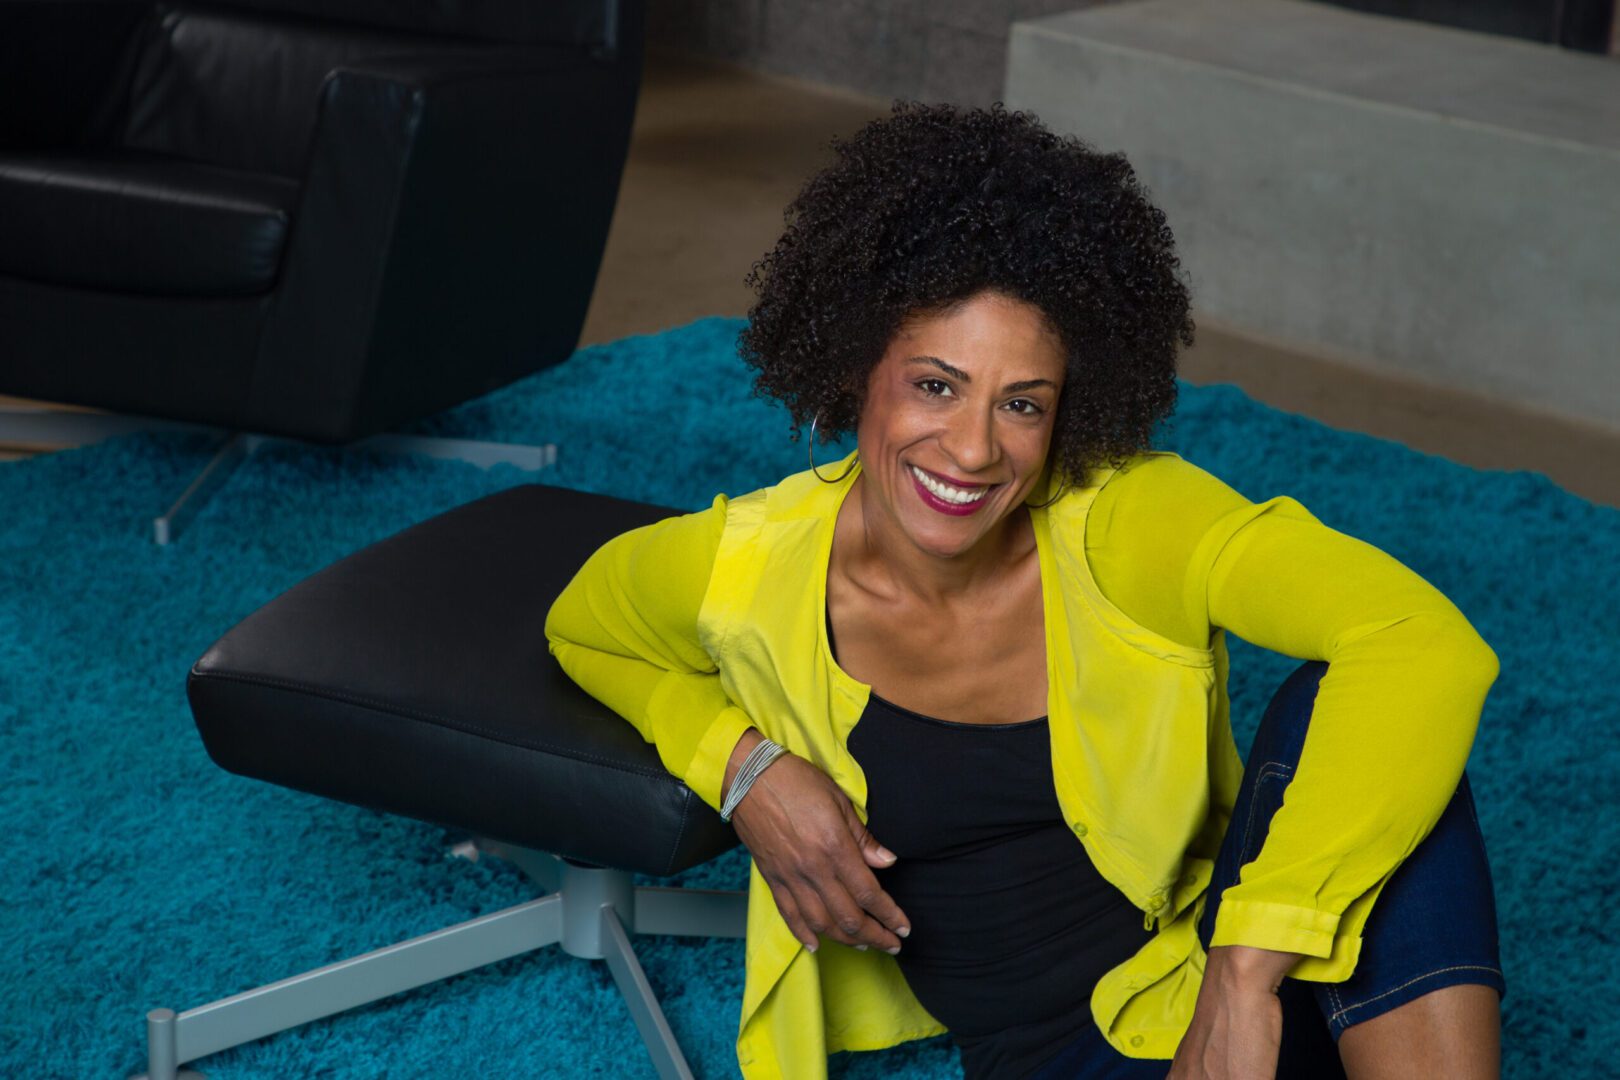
(61, 67)
(454, 209)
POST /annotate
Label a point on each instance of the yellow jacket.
(698, 626)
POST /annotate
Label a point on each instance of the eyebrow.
(958, 373)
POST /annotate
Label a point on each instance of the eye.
(1030, 408)
(933, 387)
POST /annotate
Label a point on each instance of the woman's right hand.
(815, 854)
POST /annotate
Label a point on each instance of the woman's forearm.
(1245, 966)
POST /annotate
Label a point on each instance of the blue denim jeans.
(1434, 924)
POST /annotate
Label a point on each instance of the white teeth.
(945, 491)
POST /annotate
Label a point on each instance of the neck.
(887, 557)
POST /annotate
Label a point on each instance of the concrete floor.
(718, 152)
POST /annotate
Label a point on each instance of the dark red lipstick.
(936, 503)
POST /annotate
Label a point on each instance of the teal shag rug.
(139, 875)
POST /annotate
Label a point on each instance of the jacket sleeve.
(625, 630)
(1394, 716)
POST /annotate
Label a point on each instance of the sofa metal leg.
(45, 427)
(472, 451)
(638, 995)
(48, 427)
(238, 446)
(40, 426)
(235, 449)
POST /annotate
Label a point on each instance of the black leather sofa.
(317, 219)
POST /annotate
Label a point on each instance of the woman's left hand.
(1236, 1029)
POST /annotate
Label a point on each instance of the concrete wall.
(929, 50)
(1437, 202)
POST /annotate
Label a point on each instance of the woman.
(963, 693)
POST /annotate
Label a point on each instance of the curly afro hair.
(927, 207)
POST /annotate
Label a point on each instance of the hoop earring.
(811, 449)
(1061, 489)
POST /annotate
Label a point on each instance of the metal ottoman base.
(590, 911)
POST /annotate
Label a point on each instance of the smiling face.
(957, 420)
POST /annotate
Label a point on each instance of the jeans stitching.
(1342, 1009)
(1277, 768)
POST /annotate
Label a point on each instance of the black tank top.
(1011, 924)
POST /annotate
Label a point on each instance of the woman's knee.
(1281, 734)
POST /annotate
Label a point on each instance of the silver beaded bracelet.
(758, 759)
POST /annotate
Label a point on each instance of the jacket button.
(1080, 828)
(1136, 1040)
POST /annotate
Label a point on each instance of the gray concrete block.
(964, 67)
(865, 45)
(966, 57)
(990, 16)
(1435, 201)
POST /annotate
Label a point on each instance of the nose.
(969, 439)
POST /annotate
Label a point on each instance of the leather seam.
(440, 721)
(675, 848)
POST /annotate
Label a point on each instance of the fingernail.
(894, 951)
(862, 948)
(904, 931)
(886, 855)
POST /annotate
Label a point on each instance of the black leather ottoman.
(413, 677)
